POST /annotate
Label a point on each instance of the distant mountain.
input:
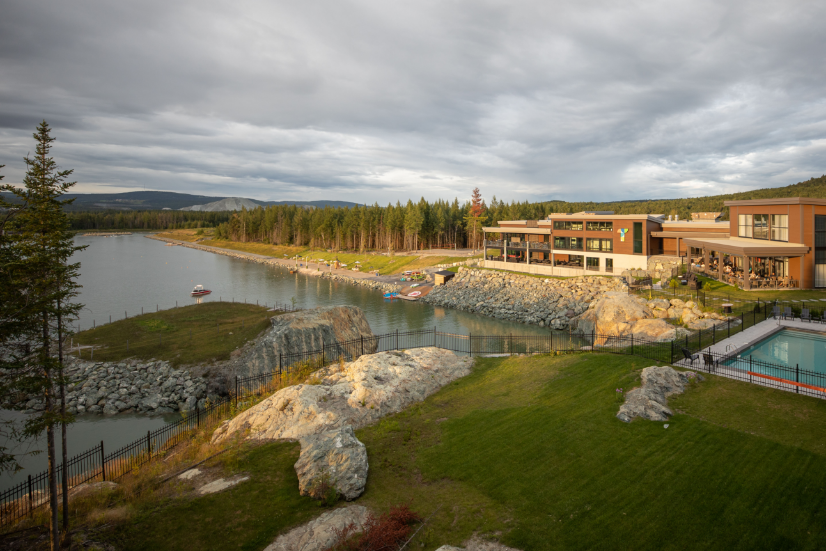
(158, 200)
(231, 203)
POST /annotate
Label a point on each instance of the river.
(124, 275)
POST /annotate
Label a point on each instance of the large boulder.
(358, 394)
(655, 330)
(650, 401)
(613, 314)
(323, 532)
(333, 457)
(306, 331)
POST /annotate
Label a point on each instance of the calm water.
(123, 274)
(789, 348)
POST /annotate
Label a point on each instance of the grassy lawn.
(528, 450)
(248, 516)
(713, 286)
(185, 335)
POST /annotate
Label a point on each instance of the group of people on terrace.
(769, 273)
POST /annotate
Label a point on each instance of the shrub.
(387, 531)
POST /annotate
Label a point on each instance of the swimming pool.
(788, 347)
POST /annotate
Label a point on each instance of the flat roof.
(696, 224)
(584, 216)
(532, 231)
(776, 201)
(686, 235)
(743, 246)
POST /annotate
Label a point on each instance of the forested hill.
(816, 187)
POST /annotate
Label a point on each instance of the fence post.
(362, 346)
(714, 334)
(148, 444)
(632, 344)
(728, 327)
(397, 339)
(236, 391)
(470, 344)
(671, 361)
(750, 370)
(279, 362)
(797, 377)
(30, 495)
(742, 321)
(102, 461)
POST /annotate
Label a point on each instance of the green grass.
(716, 287)
(185, 335)
(248, 516)
(528, 450)
(531, 448)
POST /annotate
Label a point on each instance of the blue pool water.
(787, 347)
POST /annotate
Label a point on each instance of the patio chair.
(709, 362)
(787, 313)
(822, 317)
(805, 316)
(776, 312)
(689, 356)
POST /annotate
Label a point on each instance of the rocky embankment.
(546, 302)
(128, 386)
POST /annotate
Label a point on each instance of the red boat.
(199, 291)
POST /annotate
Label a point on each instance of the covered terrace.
(527, 244)
(747, 263)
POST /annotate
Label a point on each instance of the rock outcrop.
(335, 457)
(358, 394)
(650, 401)
(306, 331)
(618, 314)
(477, 544)
(546, 302)
(321, 533)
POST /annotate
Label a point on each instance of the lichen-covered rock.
(650, 401)
(336, 457)
(321, 533)
(358, 394)
(308, 330)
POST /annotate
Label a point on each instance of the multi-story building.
(768, 243)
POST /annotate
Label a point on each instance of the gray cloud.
(380, 101)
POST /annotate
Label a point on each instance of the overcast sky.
(384, 101)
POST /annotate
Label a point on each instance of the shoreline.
(362, 280)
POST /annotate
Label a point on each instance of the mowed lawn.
(527, 450)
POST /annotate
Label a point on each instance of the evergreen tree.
(42, 248)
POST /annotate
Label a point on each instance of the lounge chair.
(787, 313)
(709, 362)
(689, 356)
(805, 316)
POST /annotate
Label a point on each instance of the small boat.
(391, 295)
(414, 294)
(199, 291)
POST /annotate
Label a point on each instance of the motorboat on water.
(391, 295)
(199, 291)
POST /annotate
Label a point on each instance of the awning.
(689, 235)
(741, 246)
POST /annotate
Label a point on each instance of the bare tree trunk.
(54, 534)
(64, 536)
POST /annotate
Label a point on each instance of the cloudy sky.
(381, 101)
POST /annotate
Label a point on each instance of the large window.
(745, 225)
(567, 225)
(569, 243)
(780, 227)
(637, 237)
(609, 265)
(600, 226)
(761, 226)
(592, 264)
(605, 245)
(820, 250)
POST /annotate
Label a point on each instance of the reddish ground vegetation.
(384, 532)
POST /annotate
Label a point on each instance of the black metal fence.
(689, 351)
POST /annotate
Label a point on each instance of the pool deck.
(733, 345)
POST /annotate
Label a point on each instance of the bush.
(387, 531)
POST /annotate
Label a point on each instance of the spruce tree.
(46, 277)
